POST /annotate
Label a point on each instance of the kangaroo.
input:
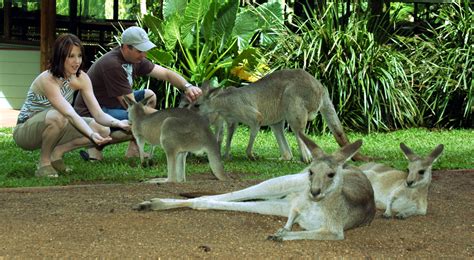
(293, 96)
(178, 131)
(324, 199)
(215, 121)
(405, 193)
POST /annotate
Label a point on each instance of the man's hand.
(192, 93)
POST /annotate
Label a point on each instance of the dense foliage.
(207, 38)
(419, 79)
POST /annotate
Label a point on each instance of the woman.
(47, 119)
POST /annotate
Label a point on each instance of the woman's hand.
(98, 139)
(124, 124)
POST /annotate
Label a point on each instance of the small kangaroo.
(405, 193)
(215, 121)
(293, 96)
(324, 199)
(178, 131)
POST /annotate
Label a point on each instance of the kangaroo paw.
(386, 216)
(275, 238)
(144, 206)
(278, 236)
(157, 180)
(401, 216)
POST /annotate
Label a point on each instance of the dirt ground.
(98, 221)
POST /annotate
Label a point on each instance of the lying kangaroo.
(178, 131)
(399, 191)
(293, 96)
(324, 199)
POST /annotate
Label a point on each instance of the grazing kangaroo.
(178, 131)
(324, 199)
(405, 193)
(293, 96)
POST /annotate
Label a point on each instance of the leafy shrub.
(442, 68)
(367, 80)
(203, 39)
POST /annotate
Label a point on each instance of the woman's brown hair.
(62, 47)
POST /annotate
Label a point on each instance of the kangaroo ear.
(347, 151)
(409, 154)
(316, 151)
(145, 100)
(436, 153)
(128, 101)
(205, 87)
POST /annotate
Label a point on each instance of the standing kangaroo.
(178, 131)
(405, 193)
(324, 199)
(293, 96)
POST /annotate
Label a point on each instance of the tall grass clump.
(367, 80)
(442, 67)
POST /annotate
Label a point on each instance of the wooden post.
(47, 31)
(7, 7)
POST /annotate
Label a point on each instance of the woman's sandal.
(46, 171)
(60, 166)
(86, 157)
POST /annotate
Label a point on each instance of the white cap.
(138, 38)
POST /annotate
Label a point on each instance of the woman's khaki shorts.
(29, 135)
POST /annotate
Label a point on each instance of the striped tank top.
(36, 103)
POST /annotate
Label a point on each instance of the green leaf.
(172, 32)
(208, 22)
(225, 22)
(193, 15)
(160, 56)
(171, 7)
(155, 25)
(246, 24)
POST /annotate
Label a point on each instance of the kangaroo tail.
(197, 194)
(215, 160)
(332, 120)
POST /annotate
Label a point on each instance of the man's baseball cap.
(138, 38)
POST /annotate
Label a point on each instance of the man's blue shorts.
(121, 113)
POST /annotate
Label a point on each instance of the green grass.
(18, 166)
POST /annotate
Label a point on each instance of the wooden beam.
(47, 31)
(73, 18)
(7, 13)
(116, 10)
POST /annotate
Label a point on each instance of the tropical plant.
(367, 80)
(207, 38)
(444, 68)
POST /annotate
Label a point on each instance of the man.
(112, 77)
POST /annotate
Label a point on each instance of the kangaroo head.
(419, 168)
(325, 172)
(204, 102)
(135, 108)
